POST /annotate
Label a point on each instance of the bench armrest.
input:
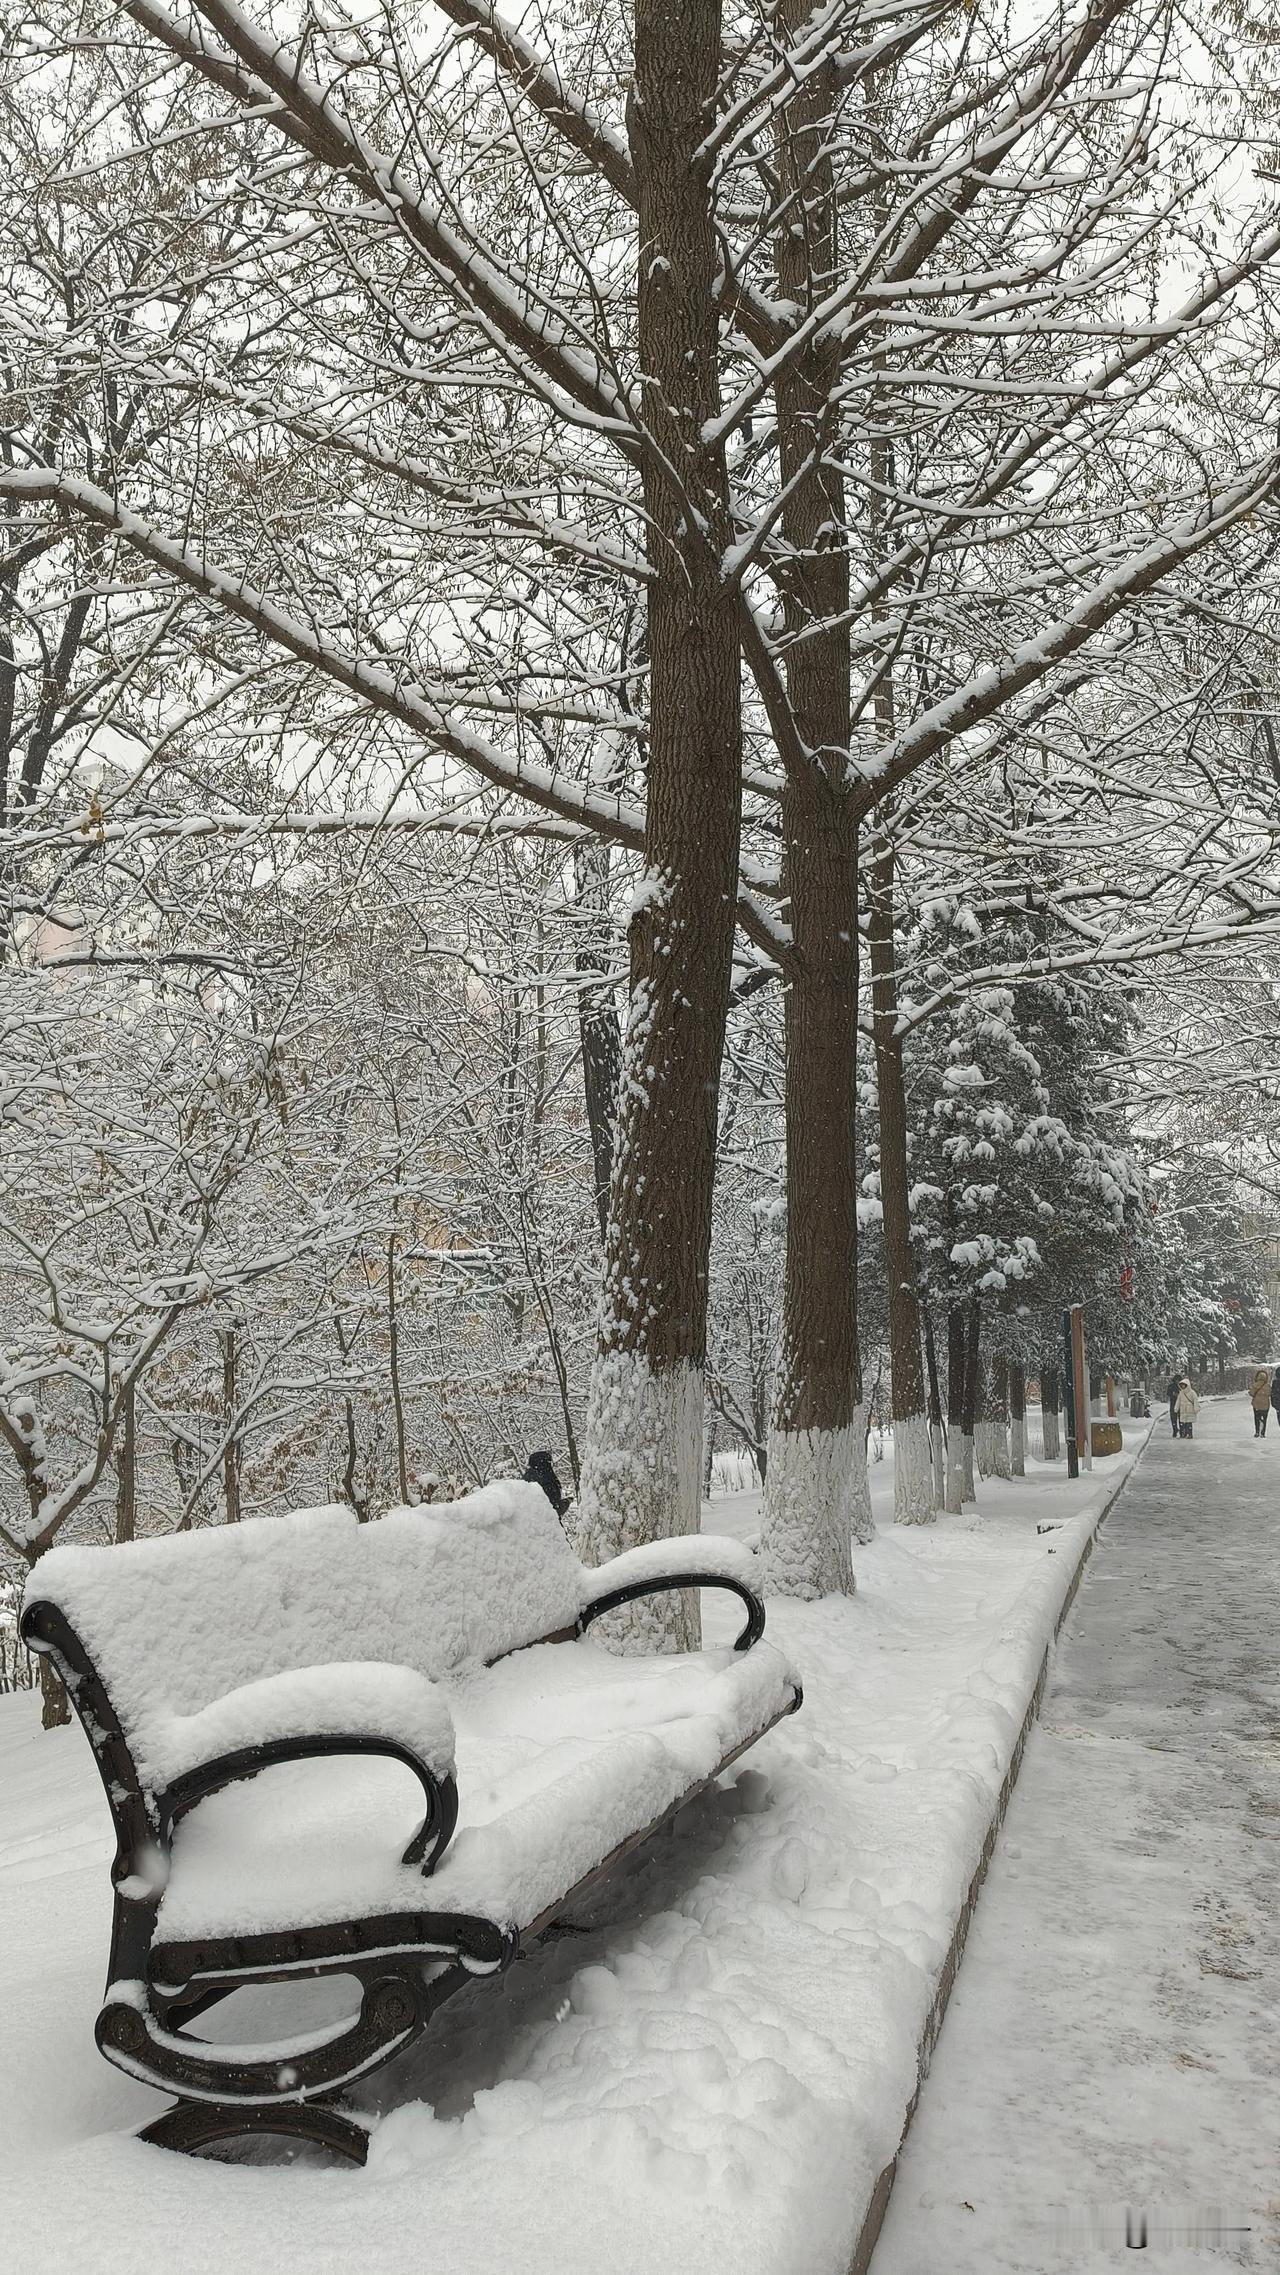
(686, 1560)
(351, 1707)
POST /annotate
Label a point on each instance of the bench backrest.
(175, 1622)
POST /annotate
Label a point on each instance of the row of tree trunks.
(642, 1470)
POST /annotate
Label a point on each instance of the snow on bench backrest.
(466, 1581)
(173, 1623)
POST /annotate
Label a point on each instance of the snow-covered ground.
(1112, 2050)
(709, 2070)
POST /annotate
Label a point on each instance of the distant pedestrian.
(1260, 1400)
(1186, 1407)
(1275, 1395)
(1171, 1395)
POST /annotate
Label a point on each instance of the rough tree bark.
(1017, 1418)
(992, 1429)
(393, 1365)
(1050, 1406)
(937, 1434)
(816, 1495)
(127, 1469)
(913, 1502)
(598, 1028)
(642, 1470)
(972, 1392)
(957, 1368)
(231, 1442)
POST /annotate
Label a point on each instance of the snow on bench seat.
(562, 1752)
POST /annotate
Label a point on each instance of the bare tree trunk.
(598, 1027)
(957, 1369)
(1017, 1418)
(358, 1501)
(996, 1415)
(972, 1389)
(642, 1469)
(393, 1360)
(912, 1466)
(816, 1492)
(1050, 1406)
(937, 1434)
(231, 1442)
(817, 1446)
(983, 1420)
(127, 1469)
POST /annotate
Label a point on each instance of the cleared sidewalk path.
(1109, 2066)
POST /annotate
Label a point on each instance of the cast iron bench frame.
(407, 1963)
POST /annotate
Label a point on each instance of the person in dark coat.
(1171, 1395)
(1275, 1393)
(541, 1472)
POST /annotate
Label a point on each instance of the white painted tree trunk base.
(862, 1520)
(810, 1500)
(640, 1482)
(912, 1472)
(1052, 1436)
(1001, 1463)
(991, 1446)
(953, 1497)
(938, 1465)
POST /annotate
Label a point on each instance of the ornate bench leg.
(194, 2125)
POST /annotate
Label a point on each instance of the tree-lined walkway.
(1112, 2049)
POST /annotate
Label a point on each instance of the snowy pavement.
(710, 2071)
(1112, 2047)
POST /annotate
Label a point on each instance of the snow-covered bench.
(450, 1762)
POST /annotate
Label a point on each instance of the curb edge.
(873, 2217)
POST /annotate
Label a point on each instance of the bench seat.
(561, 1752)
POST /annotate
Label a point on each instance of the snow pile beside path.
(712, 2075)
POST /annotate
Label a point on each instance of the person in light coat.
(1260, 1400)
(1186, 1407)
